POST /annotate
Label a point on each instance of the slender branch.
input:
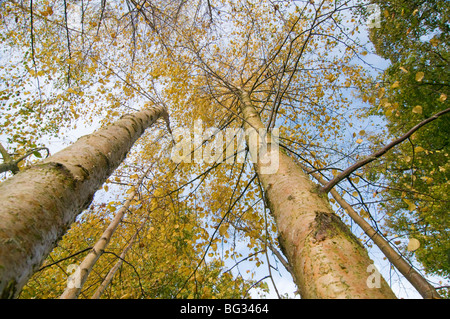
(379, 153)
(214, 234)
(416, 279)
(32, 152)
(119, 263)
(65, 258)
(282, 259)
(68, 40)
(10, 164)
(33, 55)
(5, 154)
(132, 266)
(254, 285)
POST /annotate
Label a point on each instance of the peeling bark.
(327, 260)
(38, 205)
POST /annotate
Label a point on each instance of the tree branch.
(415, 278)
(379, 153)
(10, 164)
(65, 258)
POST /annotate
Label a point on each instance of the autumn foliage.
(224, 229)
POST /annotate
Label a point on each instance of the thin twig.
(65, 258)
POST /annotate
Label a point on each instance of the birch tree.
(327, 260)
(40, 204)
(226, 65)
(100, 246)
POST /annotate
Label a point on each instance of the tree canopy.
(202, 227)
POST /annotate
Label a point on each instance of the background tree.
(414, 37)
(39, 204)
(168, 239)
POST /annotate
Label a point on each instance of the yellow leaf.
(106, 188)
(223, 229)
(396, 84)
(419, 149)
(362, 132)
(417, 109)
(443, 97)
(47, 12)
(413, 244)
(434, 42)
(419, 76)
(359, 141)
(364, 214)
(134, 176)
(70, 90)
(411, 205)
(403, 69)
(427, 179)
(331, 77)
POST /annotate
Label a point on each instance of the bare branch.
(10, 164)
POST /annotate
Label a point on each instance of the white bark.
(38, 205)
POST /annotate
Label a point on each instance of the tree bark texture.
(327, 260)
(38, 205)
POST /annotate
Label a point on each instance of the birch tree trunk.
(38, 205)
(101, 289)
(73, 291)
(426, 290)
(327, 260)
